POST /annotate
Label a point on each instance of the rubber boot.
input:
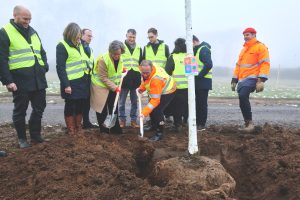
(70, 123)
(35, 131)
(78, 119)
(158, 133)
(21, 132)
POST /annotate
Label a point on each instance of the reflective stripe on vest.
(90, 62)
(76, 61)
(200, 64)
(112, 74)
(179, 71)
(21, 53)
(131, 61)
(161, 74)
(159, 59)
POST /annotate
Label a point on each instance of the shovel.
(110, 120)
(140, 109)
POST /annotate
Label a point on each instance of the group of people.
(87, 82)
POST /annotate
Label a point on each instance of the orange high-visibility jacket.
(253, 61)
(158, 83)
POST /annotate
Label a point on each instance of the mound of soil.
(265, 165)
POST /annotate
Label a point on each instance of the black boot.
(23, 144)
(35, 131)
(21, 132)
(158, 133)
(116, 129)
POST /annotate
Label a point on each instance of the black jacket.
(26, 79)
(155, 48)
(133, 78)
(80, 87)
(205, 57)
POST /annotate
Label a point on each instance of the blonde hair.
(71, 32)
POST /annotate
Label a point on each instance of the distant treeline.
(284, 73)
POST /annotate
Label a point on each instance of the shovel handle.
(140, 111)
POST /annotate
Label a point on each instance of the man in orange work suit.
(161, 89)
(251, 71)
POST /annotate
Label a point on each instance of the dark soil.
(264, 164)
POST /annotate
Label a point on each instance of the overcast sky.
(218, 22)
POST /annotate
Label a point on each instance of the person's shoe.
(89, 125)
(3, 154)
(122, 123)
(156, 137)
(37, 139)
(169, 119)
(201, 128)
(134, 124)
(249, 127)
(23, 144)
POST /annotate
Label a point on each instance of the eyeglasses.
(145, 73)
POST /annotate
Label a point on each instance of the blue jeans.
(245, 106)
(122, 101)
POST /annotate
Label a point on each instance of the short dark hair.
(152, 30)
(131, 30)
(180, 46)
(84, 30)
(195, 38)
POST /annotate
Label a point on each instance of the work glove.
(142, 117)
(233, 86)
(118, 90)
(259, 85)
(138, 92)
(233, 83)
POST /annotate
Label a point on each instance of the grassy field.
(286, 89)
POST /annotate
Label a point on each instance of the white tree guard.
(193, 143)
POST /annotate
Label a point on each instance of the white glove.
(138, 92)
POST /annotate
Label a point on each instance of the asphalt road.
(220, 111)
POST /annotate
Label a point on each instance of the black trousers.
(157, 115)
(73, 107)
(201, 106)
(179, 105)
(109, 104)
(21, 101)
(244, 94)
(86, 107)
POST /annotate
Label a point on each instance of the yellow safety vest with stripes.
(131, 61)
(113, 75)
(161, 74)
(159, 59)
(90, 61)
(179, 71)
(200, 64)
(21, 53)
(76, 61)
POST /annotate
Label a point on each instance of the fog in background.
(217, 22)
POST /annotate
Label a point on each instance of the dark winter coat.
(29, 78)
(80, 87)
(205, 57)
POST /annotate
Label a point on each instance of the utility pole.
(193, 143)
